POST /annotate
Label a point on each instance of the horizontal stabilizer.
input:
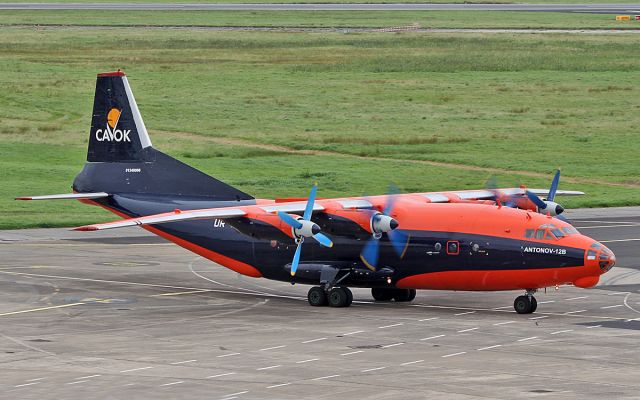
(214, 213)
(68, 196)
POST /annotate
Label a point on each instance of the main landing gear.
(338, 296)
(526, 304)
(388, 294)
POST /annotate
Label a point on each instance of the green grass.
(525, 103)
(337, 19)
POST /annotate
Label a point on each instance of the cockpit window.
(548, 232)
(558, 233)
(529, 233)
(569, 230)
(540, 234)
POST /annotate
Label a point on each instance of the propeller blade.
(369, 255)
(296, 259)
(289, 220)
(308, 210)
(554, 186)
(391, 199)
(536, 200)
(323, 240)
(400, 242)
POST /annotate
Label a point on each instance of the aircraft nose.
(600, 254)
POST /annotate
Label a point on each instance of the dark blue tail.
(121, 158)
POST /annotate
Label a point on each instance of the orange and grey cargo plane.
(475, 240)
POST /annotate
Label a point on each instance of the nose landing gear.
(526, 304)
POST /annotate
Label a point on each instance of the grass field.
(336, 19)
(375, 108)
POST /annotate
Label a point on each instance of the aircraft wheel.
(523, 305)
(382, 294)
(317, 297)
(338, 297)
(534, 304)
(412, 294)
(401, 295)
(349, 295)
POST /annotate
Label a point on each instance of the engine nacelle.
(307, 229)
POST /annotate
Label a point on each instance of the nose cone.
(559, 209)
(393, 224)
(315, 229)
(600, 255)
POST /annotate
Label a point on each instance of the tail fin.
(121, 158)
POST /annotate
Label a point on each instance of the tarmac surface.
(112, 315)
(581, 8)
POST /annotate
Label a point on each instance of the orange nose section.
(601, 256)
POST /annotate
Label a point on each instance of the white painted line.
(279, 385)
(547, 301)
(616, 293)
(75, 383)
(172, 383)
(351, 333)
(373, 369)
(577, 298)
(228, 355)
(558, 332)
(489, 347)
(428, 319)
(325, 377)
(273, 348)
(529, 338)
(433, 337)
(454, 354)
(574, 312)
(540, 317)
(619, 240)
(183, 362)
(464, 313)
(352, 352)
(27, 384)
(412, 362)
(468, 330)
(135, 369)
(270, 367)
(606, 226)
(235, 394)
(501, 308)
(390, 326)
(594, 326)
(392, 345)
(314, 340)
(220, 375)
(504, 323)
(306, 361)
(617, 305)
(87, 377)
(35, 379)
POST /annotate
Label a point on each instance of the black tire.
(382, 294)
(349, 296)
(317, 297)
(401, 295)
(522, 305)
(534, 304)
(412, 294)
(338, 297)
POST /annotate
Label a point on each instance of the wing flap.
(214, 213)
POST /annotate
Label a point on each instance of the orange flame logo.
(113, 117)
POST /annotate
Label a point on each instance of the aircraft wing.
(214, 213)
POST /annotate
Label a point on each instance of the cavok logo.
(111, 133)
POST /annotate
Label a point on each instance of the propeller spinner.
(549, 206)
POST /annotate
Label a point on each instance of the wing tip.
(86, 228)
(24, 198)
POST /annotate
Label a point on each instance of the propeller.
(548, 206)
(507, 200)
(303, 228)
(382, 222)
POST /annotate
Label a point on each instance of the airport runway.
(111, 315)
(582, 8)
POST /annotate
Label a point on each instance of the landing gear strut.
(526, 304)
(388, 294)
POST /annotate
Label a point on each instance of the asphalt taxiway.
(605, 8)
(124, 314)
